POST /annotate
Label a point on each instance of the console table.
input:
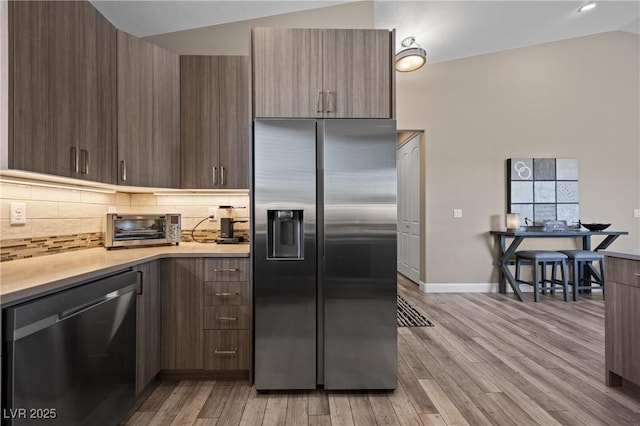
(507, 253)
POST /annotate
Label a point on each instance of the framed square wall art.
(542, 189)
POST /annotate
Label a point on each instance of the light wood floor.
(489, 360)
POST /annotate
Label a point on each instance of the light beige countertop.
(625, 254)
(28, 278)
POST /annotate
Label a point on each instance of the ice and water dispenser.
(285, 234)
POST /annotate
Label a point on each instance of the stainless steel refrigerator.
(324, 254)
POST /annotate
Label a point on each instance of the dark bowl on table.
(596, 226)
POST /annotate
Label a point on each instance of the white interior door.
(408, 163)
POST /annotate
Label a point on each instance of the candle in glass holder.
(513, 221)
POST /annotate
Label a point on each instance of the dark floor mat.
(408, 316)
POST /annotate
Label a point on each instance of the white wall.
(573, 98)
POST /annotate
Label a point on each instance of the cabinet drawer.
(226, 293)
(226, 349)
(226, 269)
(226, 317)
(623, 271)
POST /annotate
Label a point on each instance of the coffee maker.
(226, 229)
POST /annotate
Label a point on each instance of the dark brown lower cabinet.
(227, 305)
(182, 313)
(622, 321)
(226, 317)
(226, 349)
(206, 316)
(147, 324)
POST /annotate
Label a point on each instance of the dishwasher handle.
(80, 309)
(34, 315)
(41, 324)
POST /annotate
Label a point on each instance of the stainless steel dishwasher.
(70, 356)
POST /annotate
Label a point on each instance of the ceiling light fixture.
(587, 6)
(411, 56)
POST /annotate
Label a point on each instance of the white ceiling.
(151, 17)
(446, 29)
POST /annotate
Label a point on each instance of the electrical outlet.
(457, 213)
(18, 214)
(112, 209)
(212, 212)
(636, 212)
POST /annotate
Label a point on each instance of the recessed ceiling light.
(587, 6)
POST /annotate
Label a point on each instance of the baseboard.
(459, 287)
(203, 375)
(467, 288)
(472, 288)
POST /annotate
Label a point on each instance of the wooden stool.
(539, 259)
(579, 260)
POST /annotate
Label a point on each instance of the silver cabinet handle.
(215, 175)
(226, 351)
(227, 318)
(331, 101)
(226, 270)
(226, 294)
(74, 159)
(319, 101)
(84, 159)
(141, 286)
(223, 180)
(637, 274)
(124, 170)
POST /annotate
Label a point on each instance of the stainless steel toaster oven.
(141, 229)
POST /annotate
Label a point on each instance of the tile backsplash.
(23, 248)
(79, 216)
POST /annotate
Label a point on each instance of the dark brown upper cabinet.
(148, 114)
(62, 83)
(215, 122)
(306, 73)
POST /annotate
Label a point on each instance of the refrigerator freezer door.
(284, 192)
(359, 178)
